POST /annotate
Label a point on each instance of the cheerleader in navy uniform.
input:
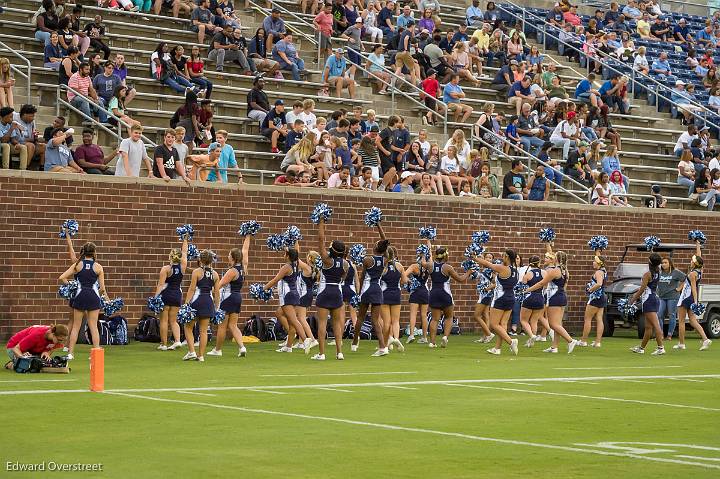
(329, 299)
(392, 278)
(350, 287)
(503, 299)
(168, 288)
(309, 278)
(688, 296)
(73, 259)
(555, 277)
(482, 307)
(441, 299)
(371, 295)
(650, 305)
(419, 301)
(533, 306)
(231, 298)
(204, 297)
(88, 300)
(595, 308)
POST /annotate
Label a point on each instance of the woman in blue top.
(231, 297)
(87, 301)
(539, 186)
(441, 299)
(597, 301)
(392, 278)
(485, 288)
(204, 297)
(503, 300)
(533, 306)
(646, 294)
(688, 296)
(168, 288)
(419, 301)
(555, 277)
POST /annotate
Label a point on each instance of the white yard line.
(580, 382)
(615, 367)
(583, 396)
(636, 381)
(401, 387)
(522, 384)
(38, 380)
(392, 427)
(334, 374)
(336, 390)
(255, 390)
(717, 459)
(196, 394)
(688, 380)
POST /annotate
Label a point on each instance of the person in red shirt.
(323, 23)
(36, 340)
(91, 157)
(431, 89)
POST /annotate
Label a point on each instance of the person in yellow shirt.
(483, 37)
(643, 27)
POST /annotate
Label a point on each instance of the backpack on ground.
(367, 331)
(118, 330)
(280, 333)
(104, 332)
(255, 326)
(270, 328)
(454, 329)
(148, 329)
(349, 331)
(27, 364)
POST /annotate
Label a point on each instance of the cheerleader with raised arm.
(392, 277)
(231, 286)
(419, 300)
(169, 290)
(73, 259)
(441, 299)
(688, 297)
(204, 297)
(350, 287)
(485, 288)
(650, 305)
(533, 306)
(309, 278)
(597, 301)
(503, 299)
(329, 299)
(88, 299)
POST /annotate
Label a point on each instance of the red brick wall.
(133, 224)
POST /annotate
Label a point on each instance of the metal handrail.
(29, 67)
(635, 73)
(266, 11)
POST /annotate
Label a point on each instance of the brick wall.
(133, 224)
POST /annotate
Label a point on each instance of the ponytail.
(562, 259)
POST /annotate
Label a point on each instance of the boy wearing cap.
(334, 74)
(353, 34)
(405, 185)
(566, 133)
(274, 125)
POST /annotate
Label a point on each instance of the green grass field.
(454, 413)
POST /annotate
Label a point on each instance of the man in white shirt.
(132, 153)
(566, 134)
(685, 139)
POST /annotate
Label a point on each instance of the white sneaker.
(280, 345)
(582, 344)
(595, 344)
(380, 352)
(329, 343)
(214, 352)
(197, 344)
(297, 345)
(422, 341)
(313, 343)
(399, 345)
(201, 359)
(284, 349)
(432, 345)
(494, 351)
(658, 352)
(162, 347)
(706, 345)
(174, 346)
(70, 357)
(551, 334)
(184, 343)
(339, 356)
(354, 347)
(704, 203)
(637, 349)
(514, 346)
(489, 338)
(243, 352)
(530, 342)
(410, 339)
(679, 346)
(443, 342)
(481, 340)
(550, 350)
(390, 346)
(318, 357)
(541, 339)
(571, 345)
(65, 349)
(190, 357)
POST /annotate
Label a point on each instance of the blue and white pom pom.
(276, 242)
(547, 235)
(292, 235)
(473, 249)
(113, 306)
(373, 216)
(185, 230)
(155, 304)
(412, 284)
(318, 262)
(422, 251)
(627, 309)
(472, 267)
(218, 318)
(258, 293)
(651, 242)
(592, 295)
(69, 289)
(520, 291)
(697, 235)
(185, 314)
(321, 210)
(193, 252)
(357, 254)
(355, 301)
(698, 309)
(249, 228)
(428, 232)
(69, 227)
(481, 237)
(598, 242)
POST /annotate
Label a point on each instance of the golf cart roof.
(663, 248)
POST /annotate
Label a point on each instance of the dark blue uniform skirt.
(86, 300)
(687, 302)
(391, 296)
(330, 298)
(651, 304)
(347, 293)
(373, 295)
(534, 302)
(558, 299)
(440, 299)
(600, 302)
(232, 303)
(172, 297)
(204, 306)
(504, 303)
(420, 296)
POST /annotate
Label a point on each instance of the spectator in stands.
(91, 157)
(143, 5)
(686, 171)
(95, 64)
(203, 21)
(514, 183)
(685, 101)
(353, 34)
(224, 12)
(474, 15)
(188, 117)
(586, 93)
(404, 57)
(116, 106)
(46, 21)
(66, 38)
(572, 17)
(685, 140)
(274, 28)
(323, 23)
(405, 18)
(660, 30)
(226, 160)
(713, 185)
(132, 154)
(519, 93)
(376, 66)
(175, 6)
(96, 31)
(555, 16)
(437, 59)
(285, 53)
(52, 56)
(163, 70)
(28, 134)
(224, 49)
(426, 22)
(601, 190)
(258, 55)
(611, 163)
(531, 135)
(81, 83)
(11, 141)
(643, 27)
(491, 14)
(681, 33)
(611, 94)
(120, 70)
(370, 21)
(7, 82)
(385, 20)
(566, 134)
(640, 64)
(195, 71)
(452, 95)
(617, 190)
(294, 114)
(274, 125)
(711, 79)
(714, 99)
(539, 186)
(503, 79)
(460, 60)
(106, 83)
(296, 159)
(58, 157)
(486, 184)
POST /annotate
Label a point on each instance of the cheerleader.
(485, 293)
(309, 277)
(503, 299)
(419, 301)
(231, 298)
(650, 304)
(91, 277)
(73, 259)
(289, 297)
(533, 306)
(350, 287)
(371, 295)
(555, 277)
(688, 296)
(441, 299)
(595, 308)
(390, 281)
(203, 296)
(330, 298)
(168, 288)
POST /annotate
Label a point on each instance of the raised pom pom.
(482, 285)
(69, 289)
(697, 235)
(276, 242)
(481, 237)
(185, 230)
(422, 251)
(218, 318)
(428, 232)
(627, 309)
(258, 293)
(357, 254)
(193, 252)
(249, 228)
(113, 306)
(292, 235)
(318, 262)
(321, 210)
(185, 314)
(373, 216)
(473, 249)
(651, 242)
(355, 301)
(698, 309)
(155, 304)
(598, 242)
(69, 227)
(520, 291)
(412, 284)
(547, 235)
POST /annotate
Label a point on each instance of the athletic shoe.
(399, 345)
(214, 352)
(318, 357)
(704, 203)
(637, 349)
(541, 339)
(513, 333)
(582, 344)
(422, 341)
(274, 150)
(65, 349)
(354, 347)
(658, 352)
(410, 339)
(481, 340)
(162, 347)
(571, 345)
(201, 359)
(494, 351)
(243, 352)
(443, 342)
(706, 345)
(184, 343)
(489, 338)
(514, 346)
(197, 344)
(339, 356)
(190, 357)
(595, 344)
(284, 349)
(679, 346)
(70, 356)
(280, 345)
(312, 343)
(550, 350)
(297, 345)
(390, 346)
(530, 342)
(329, 343)
(380, 352)
(432, 345)
(174, 346)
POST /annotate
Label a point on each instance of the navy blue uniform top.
(206, 283)
(87, 276)
(333, 274)
(392, 277)
(374, 272)
(349, 280)
(237, 284)
(439, 279)
(291, 279)
(175, 277)
(536, 278)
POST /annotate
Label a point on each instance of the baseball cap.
(581, 142)
(431, 72)
(339, 50)
(358, 20)
(275, 10)
(374, 129)
(571, 115)
(279, 102)
(406, 174)
(513, 62)
(679, 82)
